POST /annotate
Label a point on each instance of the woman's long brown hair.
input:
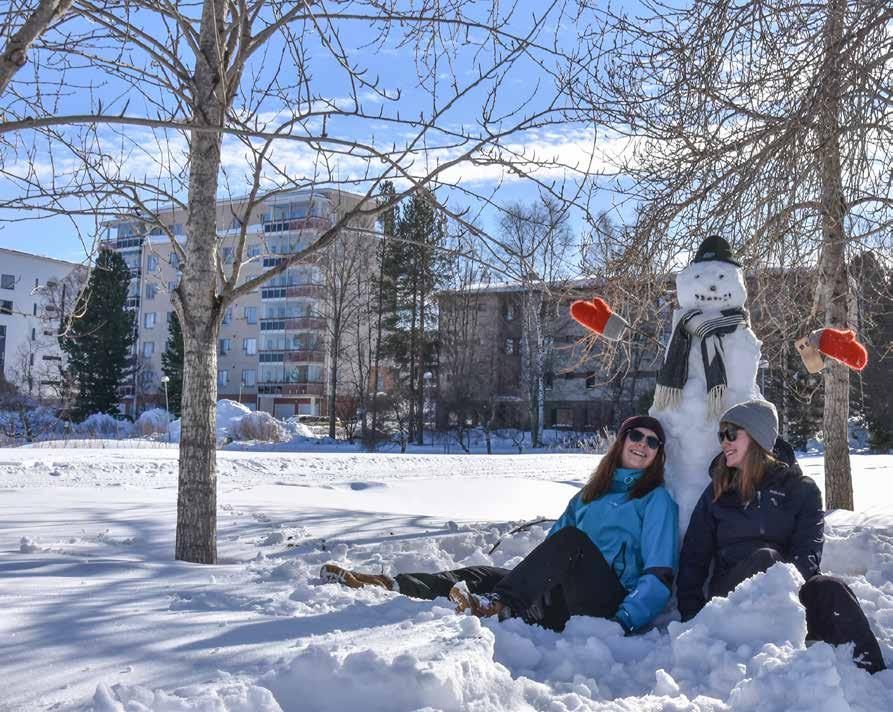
(744, 479)
(600, 481)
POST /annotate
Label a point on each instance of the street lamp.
(167, 408)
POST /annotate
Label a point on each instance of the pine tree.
(413, 269)
(172, 364)
(99, 337)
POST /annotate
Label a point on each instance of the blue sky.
(395, 69)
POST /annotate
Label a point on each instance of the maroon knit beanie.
(642, 421)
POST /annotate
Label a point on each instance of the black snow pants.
(833, 614)
(566, 575)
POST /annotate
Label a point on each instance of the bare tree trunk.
(15, 54)
(833, 279)
(333, 373)
(420, 379)
(197, 500)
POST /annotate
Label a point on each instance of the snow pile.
(152, 422)
(258, 425)
(236, 421)
(234, 697)
(104, 425)
(297, 429)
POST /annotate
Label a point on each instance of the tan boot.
(477, 605)
(332, 573)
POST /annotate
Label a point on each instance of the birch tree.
(203, 100)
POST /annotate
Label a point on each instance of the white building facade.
(33, 292)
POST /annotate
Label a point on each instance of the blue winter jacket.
(637, 537)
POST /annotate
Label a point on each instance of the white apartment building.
(33, 290)
(272, 342)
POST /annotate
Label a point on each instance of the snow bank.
(236, 421)
(152, 422)
(100, 424)
(259, 426)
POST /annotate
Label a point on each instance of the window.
(508, 311)
(177, 229)
(228, 316)
(2, 346)
(36, 282)
(509, 346)
(152, 263)
(7, 281)
(149, 320)
(151, 291)
(590, 380)
(173, 260)
(170, 315)
(251, 315)
(548, 380)
(225, 346)
(146, 378)
(148, 349)
(227, 255)
(254, 251)
(249, 377)
(222, 378)
(171, 286)
(249, 346)
(33, 334)
(5, 307)
(34, 310)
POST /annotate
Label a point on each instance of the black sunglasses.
(637, 436)
(730, 433)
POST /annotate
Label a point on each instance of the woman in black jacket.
(761, 509)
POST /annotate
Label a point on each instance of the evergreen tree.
(413, 269)
(99, 337)
(172, 364)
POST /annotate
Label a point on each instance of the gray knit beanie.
(758, 418)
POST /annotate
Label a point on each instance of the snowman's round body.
(691, 430)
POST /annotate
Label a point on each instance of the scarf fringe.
(666, 397)
(715, 399)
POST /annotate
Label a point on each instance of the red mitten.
(840, 345)
(598, 317)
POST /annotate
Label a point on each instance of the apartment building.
(272, 351)
(33, 291)
(586, 385)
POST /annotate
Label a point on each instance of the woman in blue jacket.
(760, 509)
(612, 554)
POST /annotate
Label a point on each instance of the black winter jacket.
(785, 514)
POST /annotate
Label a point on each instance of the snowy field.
(95, 614)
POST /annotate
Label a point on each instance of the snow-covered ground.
(95, 614)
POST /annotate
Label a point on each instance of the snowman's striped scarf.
(673, 374)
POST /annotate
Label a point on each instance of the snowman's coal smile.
(713, 298)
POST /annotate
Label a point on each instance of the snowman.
(710, 364)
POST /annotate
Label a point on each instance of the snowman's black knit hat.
(716, 249)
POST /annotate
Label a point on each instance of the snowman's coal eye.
(721, 276)
(697, 276)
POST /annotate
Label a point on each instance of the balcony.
(293, 324)
(293, 291)
(123, 243)
(291, 388)
(291, 356)
(305, 223)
